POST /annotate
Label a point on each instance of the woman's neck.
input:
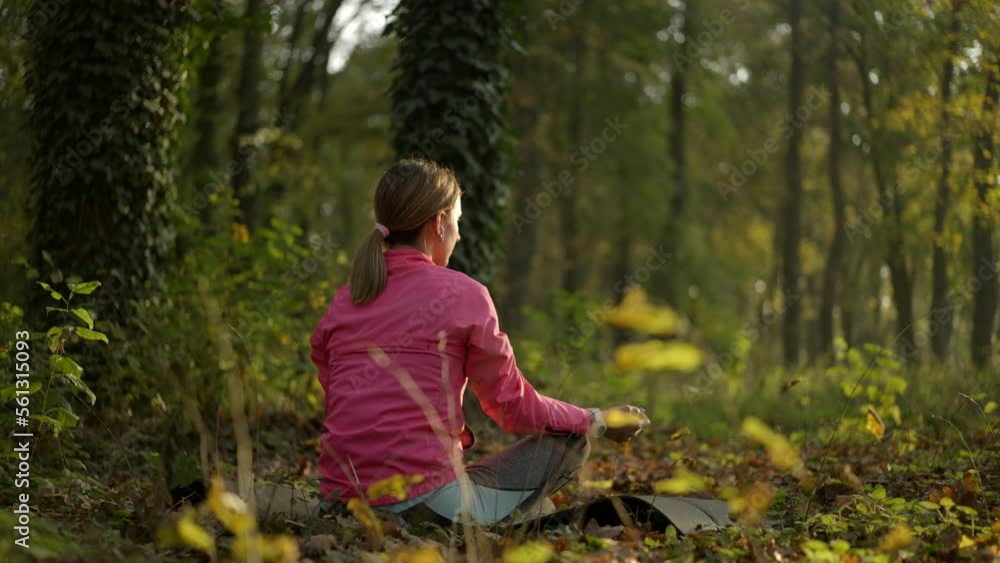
(419, 245)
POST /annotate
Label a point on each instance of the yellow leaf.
(229, 508)
(276, 549)
(850, 479)
(425, 554)
(620, 419)
(874, 424)
(898, 538)
(682, 482)
(531, 552)
(602, 485)
(658, 355)
(990, 407)
(397, 486)
(241, 233)
(752, 504)
(193, 535)
(681, 432)
(635, 312)
(364, 514)
(782, 453)
(966, 542)
(789, 384)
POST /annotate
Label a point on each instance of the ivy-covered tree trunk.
(104, 106)
(449, 105)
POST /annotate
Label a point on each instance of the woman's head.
(418, 201)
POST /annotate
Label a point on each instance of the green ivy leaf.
(88, 334)
(85, 288)
(84, 316)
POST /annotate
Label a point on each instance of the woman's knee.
(579, 448)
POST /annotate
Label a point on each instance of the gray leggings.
(519, 478)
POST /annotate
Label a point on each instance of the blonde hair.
(410, 193)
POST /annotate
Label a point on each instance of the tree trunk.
(835, 257)
(205, 157)
(449, 92)
(523, 237)
(101, 188)
(293, 105)
(247, 118)
(622, 265)
(793, 202)
(298, 26)
(941, 312)
(895, 257)
(569, 221)
(678, 156)
(984, 259)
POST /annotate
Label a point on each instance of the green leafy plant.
(63, 381)
(76, 324)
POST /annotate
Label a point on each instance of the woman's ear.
(436, 224)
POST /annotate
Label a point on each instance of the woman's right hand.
(624, 422)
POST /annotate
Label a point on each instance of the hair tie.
(382, 229)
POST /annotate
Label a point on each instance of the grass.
(927, 489)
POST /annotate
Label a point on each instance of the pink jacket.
(374, 427)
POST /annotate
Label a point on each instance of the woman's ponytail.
(409, 194)
(369, 273)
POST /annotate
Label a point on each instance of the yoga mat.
(686, 514)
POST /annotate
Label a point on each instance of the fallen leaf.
(850, 479)
(874, 424)
(531, 552)
(898, 538)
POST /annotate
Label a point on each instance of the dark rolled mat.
(686, 514)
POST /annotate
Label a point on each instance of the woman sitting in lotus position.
(395, 350)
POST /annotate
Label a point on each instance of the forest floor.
(910, 496)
